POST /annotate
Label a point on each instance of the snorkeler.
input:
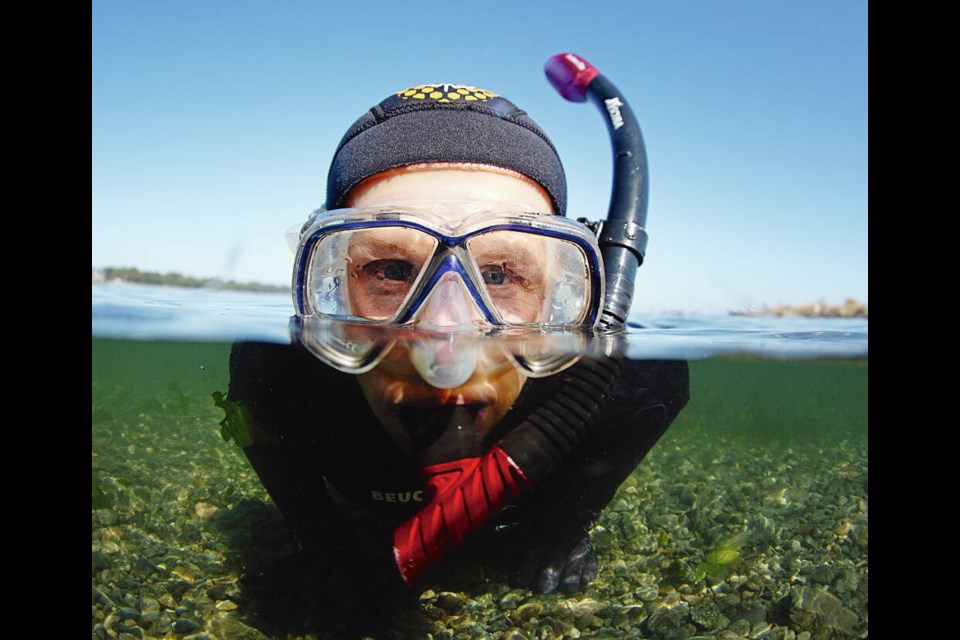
(445, 230)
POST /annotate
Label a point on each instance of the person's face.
(384, 262)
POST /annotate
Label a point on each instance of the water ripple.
(143, 312)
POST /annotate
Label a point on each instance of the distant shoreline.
(851, 308)
(130, 275)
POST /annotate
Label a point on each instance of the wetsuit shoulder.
(648, 396)
(319, 432)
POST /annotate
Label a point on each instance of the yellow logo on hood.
(446, 93)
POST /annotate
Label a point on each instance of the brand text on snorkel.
(613, 108)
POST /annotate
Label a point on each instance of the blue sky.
(213, 125)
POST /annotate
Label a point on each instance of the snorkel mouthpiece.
(622, 237)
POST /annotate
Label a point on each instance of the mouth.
(426, 423)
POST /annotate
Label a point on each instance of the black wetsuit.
(324, 452)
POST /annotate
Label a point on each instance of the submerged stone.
(528, 610)
(510, 601)
(100, 562)
(226, 626)
(217, 591)
(705, 615)
(782, 633)
(589, 621)
(185, 625)
(754, 615)
(451, 602)
(576, 608)
(665, 618)
(126, 613)
(205, 509)
(167, 601)
(814, 608)
(740, 627)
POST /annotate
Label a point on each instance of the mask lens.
(367, 273)
(345, 347)
(544, 354)
(532, 278)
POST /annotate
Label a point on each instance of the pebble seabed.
(176, 502)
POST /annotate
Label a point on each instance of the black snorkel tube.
(622, 236)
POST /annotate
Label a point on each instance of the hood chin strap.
(465, 488)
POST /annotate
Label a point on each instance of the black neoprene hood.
(445, 123)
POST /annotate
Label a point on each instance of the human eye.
(394, 270)
(502, 274)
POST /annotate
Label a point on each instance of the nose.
(449, 306)
(444, 361)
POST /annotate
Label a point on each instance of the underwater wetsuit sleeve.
(264, 380)
(647, 399)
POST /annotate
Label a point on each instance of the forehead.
(453, 191)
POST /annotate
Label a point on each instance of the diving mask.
(404, 266)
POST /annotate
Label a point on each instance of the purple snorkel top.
(570, 74)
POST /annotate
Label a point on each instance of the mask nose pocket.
(440, 360)
(449, 306)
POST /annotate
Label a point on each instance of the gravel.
(182, 519)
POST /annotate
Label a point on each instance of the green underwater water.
(758, 437)
(782, 400)
(779, 401)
